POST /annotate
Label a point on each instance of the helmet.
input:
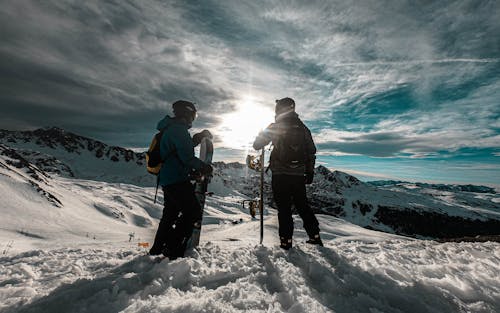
(185, 109)
(284, 105)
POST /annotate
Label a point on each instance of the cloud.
(104, 65)
(378, 78)
(373, 144)
(438, 143)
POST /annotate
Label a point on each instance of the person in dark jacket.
(180, 204)
(292, 164)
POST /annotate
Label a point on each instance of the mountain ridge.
(421, 212)
(80, 156)
(446, 187)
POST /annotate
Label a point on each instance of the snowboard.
(200, 189)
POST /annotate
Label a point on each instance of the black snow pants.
(176, 224)
(288, 189)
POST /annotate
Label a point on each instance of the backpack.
(290, 147)
(153, 157)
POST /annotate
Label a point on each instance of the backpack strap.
(162, 131)
(157, 185)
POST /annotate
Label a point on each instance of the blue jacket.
(177, 151)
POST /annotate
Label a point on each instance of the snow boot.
(155, 250)
(315, 240)
(169, 255)
(285, 243)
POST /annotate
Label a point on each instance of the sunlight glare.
(239, 129)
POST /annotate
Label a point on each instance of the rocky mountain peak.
(56, 138)
(338, 178)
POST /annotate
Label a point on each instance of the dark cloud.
(412, 145)
(112, 69)
(377, 144)
(91, 68)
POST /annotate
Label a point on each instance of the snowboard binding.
(254, 163)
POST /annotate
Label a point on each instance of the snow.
(79, 256)
(345, 276)
(358, 270)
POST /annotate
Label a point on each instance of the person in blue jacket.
(180, 204)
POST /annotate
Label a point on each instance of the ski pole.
(261, 204)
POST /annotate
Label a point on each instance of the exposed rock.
(478, 238)
(432, 224)
(55, 137)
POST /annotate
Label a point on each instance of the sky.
(396, 89)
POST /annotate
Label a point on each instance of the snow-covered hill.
(39, 205)
(419, 210)
(78, 156)
(410, 211)
(70, 244)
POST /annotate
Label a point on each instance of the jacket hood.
(168, 121)
(289, 116)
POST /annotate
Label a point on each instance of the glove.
(309, 178)
(206, 170)
(199, 136)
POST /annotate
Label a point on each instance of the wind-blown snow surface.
(348, 275)
(358, 270)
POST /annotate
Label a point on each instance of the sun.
(239, 128)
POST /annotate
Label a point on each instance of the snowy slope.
(421, 212)
(358, 270)
(418, 210)
(71, 245)
(38, 206)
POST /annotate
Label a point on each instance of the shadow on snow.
(329, 278)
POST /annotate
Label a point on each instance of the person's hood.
(168, 121)
(288, 116)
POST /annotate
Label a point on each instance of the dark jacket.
(177, 151)
(274, 132)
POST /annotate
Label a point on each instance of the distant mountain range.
(412, 209)
(417, 212)
(445, 187)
